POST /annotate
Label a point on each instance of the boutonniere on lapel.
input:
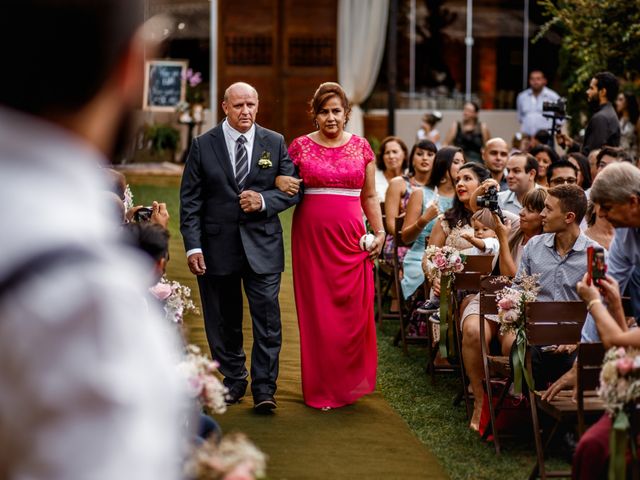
(265, 160)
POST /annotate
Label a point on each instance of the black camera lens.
(143, 214)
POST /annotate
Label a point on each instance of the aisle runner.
(367, 440)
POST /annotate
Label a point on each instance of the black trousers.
(221, 297)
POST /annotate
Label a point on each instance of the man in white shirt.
(88, 388)
(522, 169)
(530, 101)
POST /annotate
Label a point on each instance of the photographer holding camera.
(603, 128)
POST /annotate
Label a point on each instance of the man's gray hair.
(616, 183)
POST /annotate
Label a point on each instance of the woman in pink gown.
(332, 275)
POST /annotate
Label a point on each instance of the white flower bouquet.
(511, 316)
(199, 374)
(620, 391)
(176, 299)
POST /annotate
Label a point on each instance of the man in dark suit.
(232, 234)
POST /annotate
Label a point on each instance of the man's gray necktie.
(242, 162)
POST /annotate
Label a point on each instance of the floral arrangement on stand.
(199, 374)
(176, 299)
(511, 302)
(234, 457)
(445, 262)
(620, 391)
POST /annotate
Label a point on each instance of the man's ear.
(569, 217)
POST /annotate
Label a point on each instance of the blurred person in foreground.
(87, 388)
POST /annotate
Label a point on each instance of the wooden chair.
(404, 309)
(495, 366)
(589, 365)
(549, 323)
(467, 282)
(383, 278)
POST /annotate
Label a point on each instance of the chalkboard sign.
(164, 86)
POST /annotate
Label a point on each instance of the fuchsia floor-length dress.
(332, 276)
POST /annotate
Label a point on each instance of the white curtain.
(362, 31)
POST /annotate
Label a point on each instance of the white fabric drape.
(362, 31)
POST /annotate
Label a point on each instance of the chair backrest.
(397, 236)
(554, 323)
(489, 285)
(475, 267)
(590, 357)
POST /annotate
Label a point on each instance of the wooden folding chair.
(495, 366)
(549, 323)
(589, 365)
(467, 282)
(405, 310)
(383, 278)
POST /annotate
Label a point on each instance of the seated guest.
(562, 172)
(609, 155)
(541, 137)
(522, 170)
(484, 239)
(397, 197)
(545, 156)
(512, 237)
(559, 257)
(582, 165)
(422, 209)
(391, 162)
(495, 154)
(598, 228)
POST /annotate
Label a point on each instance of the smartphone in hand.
(596, 266)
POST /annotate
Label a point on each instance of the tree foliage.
(597, 35)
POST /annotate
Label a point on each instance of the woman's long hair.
(458, 214)
(442, 164)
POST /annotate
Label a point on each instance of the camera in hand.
(597, 267)
(490, 201)
(143, 214)
(557, 109)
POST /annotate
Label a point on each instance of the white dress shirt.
(88, 386)
(530, 110)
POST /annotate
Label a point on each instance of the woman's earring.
(315, 124)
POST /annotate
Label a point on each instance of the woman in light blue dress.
(425, 204)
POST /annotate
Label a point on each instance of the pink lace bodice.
(335, 167)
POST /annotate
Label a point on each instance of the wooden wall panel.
(303, 51)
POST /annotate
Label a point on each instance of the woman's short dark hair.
(442, 164)
(583, 163)
(458, 213)
(427, 145)
(548, 150)
(326, 91)
(380, 158)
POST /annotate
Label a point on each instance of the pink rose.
(625, 365)
(440, 262)
(161, 291)
(505, 303)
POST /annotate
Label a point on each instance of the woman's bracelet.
(381, 231)
(592, 303)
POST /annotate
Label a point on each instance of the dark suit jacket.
(210, 213)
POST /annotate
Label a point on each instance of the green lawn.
(426, 408)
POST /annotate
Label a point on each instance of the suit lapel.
(221, 153)
(259, 146)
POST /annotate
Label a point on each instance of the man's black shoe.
(235, 393)
(264, 403)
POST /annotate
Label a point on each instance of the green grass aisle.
(408, 429)
(366, 440)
